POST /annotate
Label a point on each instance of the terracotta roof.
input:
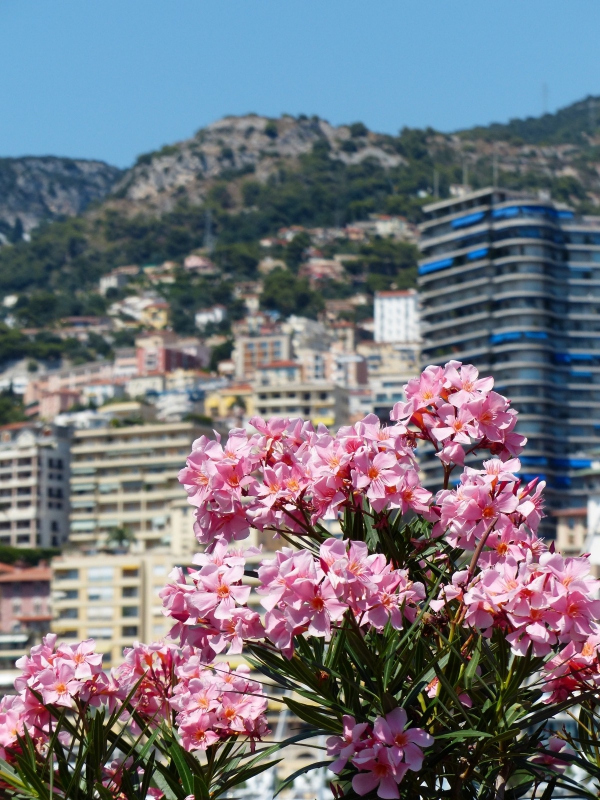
(35, 618)
(569, 512)
(15, 426)
(278, 364)
(27, 574)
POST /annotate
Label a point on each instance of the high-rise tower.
(511, 283)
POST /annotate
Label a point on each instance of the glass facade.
(512, 284)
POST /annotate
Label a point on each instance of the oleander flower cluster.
(382, 753)
(210, 610)
(153, 683)
(458, 412)
(289, 475)
(215, 703)
(303, 593)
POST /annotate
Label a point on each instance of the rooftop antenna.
(494, 167)
(544, 98)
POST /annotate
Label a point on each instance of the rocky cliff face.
(33, 189)
(240, 146)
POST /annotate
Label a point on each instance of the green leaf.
(187, 778)
(310, 714)
(302, 771)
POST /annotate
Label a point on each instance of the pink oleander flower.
(355, 736)
(196, 733)
(405, 743)
(552, 759)
(59, 685)
(378, 771)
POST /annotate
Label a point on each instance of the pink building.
(25, 599)
(57, 402)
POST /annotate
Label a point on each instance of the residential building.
(117, 279)
(200, 265)
(25, 599)
(68, 379)
(322, 402)
(231, 403)
(278, 373)
(396, 316)
(511, 283)
(55, 403)
(164, 351)
(251, 352)
(112, 598)
(206, 316)
(34, 485)
(127, 477)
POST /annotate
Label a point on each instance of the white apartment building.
(127, 477)
(34, 485)
(396, 316)
(111, 598)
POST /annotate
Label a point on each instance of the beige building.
(127, 477)
(320, 402)
(110, 598)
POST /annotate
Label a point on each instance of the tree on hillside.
(290, 295)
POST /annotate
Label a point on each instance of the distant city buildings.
(396, 316)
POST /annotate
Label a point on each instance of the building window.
(129, 630)
(130, 591)
(66, 575)
(23, 523)
(100, 612)
(100, 593)
(23, 538)
(69, 594)
(104, 574)
(100, 633)
(68, 613)
(133, 572)
(130, 611)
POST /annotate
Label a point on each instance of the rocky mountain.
(234, 147)
(34, 188)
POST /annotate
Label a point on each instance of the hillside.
(33, 189)
(243, 178)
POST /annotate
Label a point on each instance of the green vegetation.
(11, 407)
(568, 125)
(28, 556)
(289, 294)
(47, 346)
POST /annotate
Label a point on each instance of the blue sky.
(111, 79)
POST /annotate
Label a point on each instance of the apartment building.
(34, 485)
(320, 402)
(110, 598)
(251, 352)
(127, 477)
(511, 283)
(396, 316)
